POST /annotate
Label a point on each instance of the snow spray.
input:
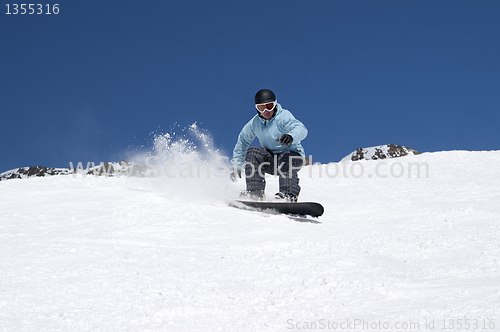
(188, 164)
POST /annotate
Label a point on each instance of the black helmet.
(264, 96)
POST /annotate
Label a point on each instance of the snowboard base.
(298, 209)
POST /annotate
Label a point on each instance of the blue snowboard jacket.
(267, 131)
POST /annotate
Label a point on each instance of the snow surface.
(169, 254)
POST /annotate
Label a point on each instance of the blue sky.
(97, 80)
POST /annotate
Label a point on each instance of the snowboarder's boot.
(253, 195)
(286, 197)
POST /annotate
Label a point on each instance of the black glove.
(285, 140)
(234, 177)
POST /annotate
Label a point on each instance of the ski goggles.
(266, 106)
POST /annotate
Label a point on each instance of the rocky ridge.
(127, 168)
(387, 151)
(104, 169)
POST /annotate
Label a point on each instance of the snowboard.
(300, 208)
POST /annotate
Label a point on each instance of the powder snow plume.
(188, 165)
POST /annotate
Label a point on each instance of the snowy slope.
(168, 254)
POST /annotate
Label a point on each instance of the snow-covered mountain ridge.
(27, 172)
(387, 151)
(126, 168)
(108, 168)
(169, 254)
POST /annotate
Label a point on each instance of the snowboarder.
(281, 153)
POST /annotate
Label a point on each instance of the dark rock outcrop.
(380, 152)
